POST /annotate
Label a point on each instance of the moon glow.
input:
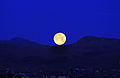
(59, 38)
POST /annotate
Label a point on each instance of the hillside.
(20, 54)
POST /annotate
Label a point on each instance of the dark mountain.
(20, 42)
(21, 54)
(95, 44)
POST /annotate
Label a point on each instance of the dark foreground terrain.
(90, 57)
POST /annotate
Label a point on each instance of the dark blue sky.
(39, 20)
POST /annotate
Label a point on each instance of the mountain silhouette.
(20, 42)
(21, 54)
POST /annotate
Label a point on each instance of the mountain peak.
(20, 41)
(91, 37)
(18, 38)
(91, 41)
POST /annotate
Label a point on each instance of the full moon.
(59, 38)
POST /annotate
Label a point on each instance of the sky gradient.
(39, 20)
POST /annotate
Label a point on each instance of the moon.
(59, 38)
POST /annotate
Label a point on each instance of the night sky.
(39, 20)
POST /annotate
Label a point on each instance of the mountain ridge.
(89, 51)
(19, 40)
